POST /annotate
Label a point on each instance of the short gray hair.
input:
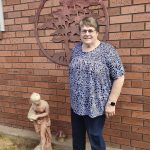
(89, 21)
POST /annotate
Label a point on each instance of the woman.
(96, 77)
(39, 114)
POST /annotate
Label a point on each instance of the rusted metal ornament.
(65, 24)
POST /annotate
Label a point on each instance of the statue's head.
(35, 98)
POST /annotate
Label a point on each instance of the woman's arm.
(113, 97)
(116, 89)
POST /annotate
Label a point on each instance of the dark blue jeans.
(94, 128)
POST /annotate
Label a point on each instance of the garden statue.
(39, 115)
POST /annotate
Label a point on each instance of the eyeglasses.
(89, 31)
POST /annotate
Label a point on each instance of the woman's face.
(88, 35)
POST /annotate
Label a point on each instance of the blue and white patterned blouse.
(91, 76)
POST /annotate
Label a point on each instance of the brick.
(132, 9)
(112, 132)
(140, 2)
(131, 106)
(28, 26)
(114, 11)
(46, 11)
(9, 35)
(28, 13)
(123, 112)
(140, 84)
(137, 60)
(139, 129)
(132, 26)
(64, 118)
(20, 7)
(146, 76)
(40, 59)
(147, 25)
(21, 21)
(14, 28)
(141, 68)
(41, 84)
(132, 121)
(62, 79)
(14, 14)
(147, 123)
(18, 65)
(114, 28)
(27, 1)
(33, 5)
(147, 107)
(29, 40)
(26, 59)
(146, 43)
(23, 46)
(52, 3)
(148, 8)
(131, 43)
(63, 92)
(120, 140)
(146, 92)
(120, 19)
(124, 51)
(120, 35)
(57, 73)
(146, 138)
(139, 114)
(141, 99)
(22, 34)
(131, 135)
(140, 144)
(115, 119)
(5, 53)
(140, 51)
(54, 45)
(127, 67)
(134, 75)
(132, 91)
(9, 21)
(32, 53)
(141, 17)
(125, 98)
(127, 83)
(56, 86)
(140, 35)
(56, 98)
(8, 8)
(10, 2)
(125, 147)
(115, 3)
(146, 60)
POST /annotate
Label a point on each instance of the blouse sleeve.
(114, 63)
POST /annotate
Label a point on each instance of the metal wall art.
(65, 22)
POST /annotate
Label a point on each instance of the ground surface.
(19, 143)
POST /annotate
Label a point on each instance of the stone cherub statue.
(39, 115)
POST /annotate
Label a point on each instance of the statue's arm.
(31, 114)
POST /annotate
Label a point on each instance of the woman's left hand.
(109, 110)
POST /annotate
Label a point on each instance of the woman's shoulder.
(107, 45)
(77, 45)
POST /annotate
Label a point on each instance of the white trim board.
(2, 27)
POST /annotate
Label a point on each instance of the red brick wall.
(24, 69)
